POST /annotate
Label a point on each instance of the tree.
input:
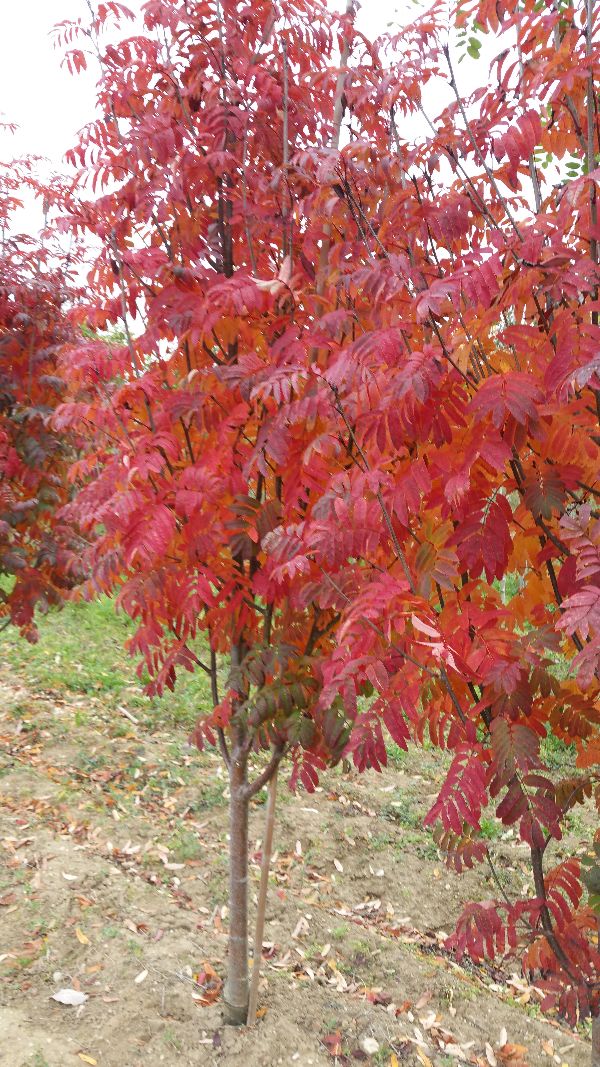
(357, 401)
(37, 551)
(210, 429)
(470, 392)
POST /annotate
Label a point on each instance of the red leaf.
(501, 395)
(581, 612)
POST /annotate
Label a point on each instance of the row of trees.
(357, 392)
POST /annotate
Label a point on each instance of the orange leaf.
(512, 1055)
(590, 754)
(209, 984)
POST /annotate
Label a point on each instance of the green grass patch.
(490, 828)
(81, 651)
(403, 812)
(557, 754)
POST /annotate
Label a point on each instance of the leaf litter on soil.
(117, 836)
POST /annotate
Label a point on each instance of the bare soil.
(113, 883)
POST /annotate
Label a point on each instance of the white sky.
(49, 105)
(46, 102)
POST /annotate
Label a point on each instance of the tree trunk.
(596, 1041)
(235, 995)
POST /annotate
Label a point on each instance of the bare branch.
(265, 776)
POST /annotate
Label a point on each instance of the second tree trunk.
(235, 995)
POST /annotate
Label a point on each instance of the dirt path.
(113, 883)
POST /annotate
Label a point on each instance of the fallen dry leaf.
(87, 1059)
(81, 937)
(490, 1055)
(71, 997)
(7, 899)
(511, 1055)
(301, 927)
(333, 1043)
(369, 1045)
(209, 985)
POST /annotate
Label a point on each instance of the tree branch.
(386, 515)
(255, 787)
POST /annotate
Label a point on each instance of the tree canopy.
(352, 432)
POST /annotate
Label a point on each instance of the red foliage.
(357, 406)
(36, 548)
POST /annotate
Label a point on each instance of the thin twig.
(478, 152)
(384, 510)
(496, 878)
(245, 199)
(287, 237)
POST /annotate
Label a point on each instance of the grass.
(557, 754)
(403, 811)
(397, 757)
(211, 796)
(110, 932)
(491, 828)
(37, 1060)
(81, 651)
(184, 845)
(338, 933)
(421, 842)
(170, 1039)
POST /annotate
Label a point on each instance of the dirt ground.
(113, 883)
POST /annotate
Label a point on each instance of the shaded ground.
(113, 882)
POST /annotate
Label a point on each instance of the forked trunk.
(596, 1041)
(235, 995)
